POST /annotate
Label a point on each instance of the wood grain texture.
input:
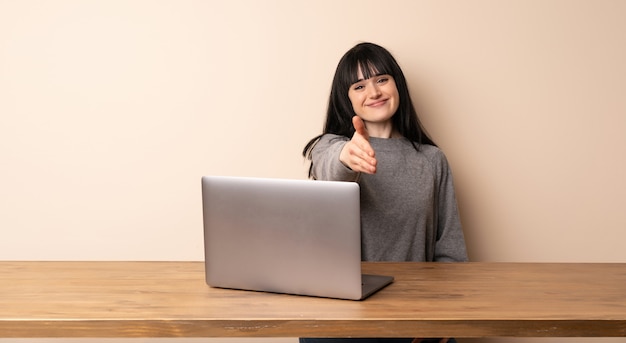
(171, 299)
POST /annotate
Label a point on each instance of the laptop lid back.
(286, 236)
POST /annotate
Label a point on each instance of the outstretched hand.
(358, 154)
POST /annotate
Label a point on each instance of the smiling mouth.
(377, 103)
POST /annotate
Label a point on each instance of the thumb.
(360, 128)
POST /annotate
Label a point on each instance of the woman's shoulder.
(327, 142)
(431, 150)
(333, 137)
(434, 155)
(330, 138)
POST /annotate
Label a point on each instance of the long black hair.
(372, 60)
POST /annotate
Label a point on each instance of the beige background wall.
(110, 111)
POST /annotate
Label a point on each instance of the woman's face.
(375, 100)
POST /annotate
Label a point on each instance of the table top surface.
(171, 299)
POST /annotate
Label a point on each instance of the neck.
(381, 130)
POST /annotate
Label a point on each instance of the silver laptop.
(285, 236)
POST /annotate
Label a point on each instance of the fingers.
(357, 159)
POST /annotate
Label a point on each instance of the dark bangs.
(371, 59)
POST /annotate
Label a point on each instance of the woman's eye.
(359, 87)
(383, 80)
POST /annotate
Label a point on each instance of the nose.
(375, 91)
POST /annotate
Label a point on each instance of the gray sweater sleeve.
(450, 241)
(326, 165)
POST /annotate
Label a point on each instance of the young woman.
(373, 136)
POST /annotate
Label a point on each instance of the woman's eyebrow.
(376, 75)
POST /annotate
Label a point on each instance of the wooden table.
(170, 299)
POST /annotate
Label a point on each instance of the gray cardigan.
(408, 208)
